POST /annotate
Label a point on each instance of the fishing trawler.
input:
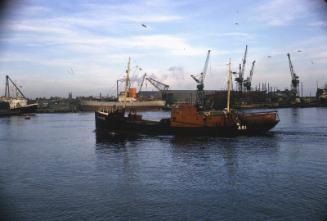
(190, 119)
(17, 104)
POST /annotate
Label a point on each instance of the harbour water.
(55, 167)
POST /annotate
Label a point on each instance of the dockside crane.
(239, 80)
(19, 93)
(200, 96)
(142, 82)
(248, 81)
(162, 88)
(295, 79)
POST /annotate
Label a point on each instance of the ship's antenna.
(228, 84)
(127, 80)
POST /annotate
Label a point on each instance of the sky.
(52, 48)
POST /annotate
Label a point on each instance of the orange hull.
(259, 120)
(187, 115)
(259, 117)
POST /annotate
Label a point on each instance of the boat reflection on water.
(270, 139)
(185, 140)
(107, 137)
(226, 157)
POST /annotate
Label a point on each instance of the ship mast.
(127, 80)
(229, 86)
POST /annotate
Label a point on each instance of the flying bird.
(236, 23)
(299, 51)
(269, 56)
(144, 26)
(71, 71)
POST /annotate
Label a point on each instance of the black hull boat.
(28, 109)
(229, 125)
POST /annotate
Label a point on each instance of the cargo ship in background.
(17, 104)
(129, 98)
(189, 119)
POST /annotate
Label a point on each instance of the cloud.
(279, 12)
(133, 12)
(322, 24)
(34, 17)
(56, 34)
(235, 34)
(36, 27)
(175, 73)
(95, 28)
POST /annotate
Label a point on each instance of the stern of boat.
(259, 122)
